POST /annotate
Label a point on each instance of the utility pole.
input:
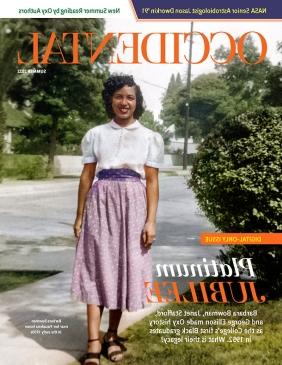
(187, 104)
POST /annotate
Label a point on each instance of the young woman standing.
(116, 216)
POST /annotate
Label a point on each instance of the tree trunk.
(52, 143)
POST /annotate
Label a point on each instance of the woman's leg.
(114, 319)
(94, 314)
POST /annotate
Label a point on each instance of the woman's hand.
(77, 226)
(149, 234)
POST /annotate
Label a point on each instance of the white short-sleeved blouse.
(115, 147)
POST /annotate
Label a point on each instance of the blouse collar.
(133, 125)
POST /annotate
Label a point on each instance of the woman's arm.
(152, 189)
(85, 183)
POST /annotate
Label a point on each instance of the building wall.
(8, 142)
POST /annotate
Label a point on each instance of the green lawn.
(147, 349)
(13, 279)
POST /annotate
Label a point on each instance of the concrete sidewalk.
(31, 187)
(49, 301)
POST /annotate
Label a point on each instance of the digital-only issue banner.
(207, 9)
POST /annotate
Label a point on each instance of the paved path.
(36, 220)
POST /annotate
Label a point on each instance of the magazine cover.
(140, 167)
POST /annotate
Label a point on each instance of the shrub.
(28, 167)
(237, 180)
(267, 263)
(237, 176)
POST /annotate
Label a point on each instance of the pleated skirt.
(111, 263)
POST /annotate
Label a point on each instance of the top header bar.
(207, 9)
(217, 10)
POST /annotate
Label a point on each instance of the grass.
(25, 167)
(146, 348)
(13, 279)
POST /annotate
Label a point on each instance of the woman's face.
(124, 104)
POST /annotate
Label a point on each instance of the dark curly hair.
(116, 82)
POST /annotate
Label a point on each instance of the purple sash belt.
(118, 174)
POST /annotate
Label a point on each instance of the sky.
(153, 79)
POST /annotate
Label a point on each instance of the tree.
(9, 41)
(272, 95)
(246, 82)
(235, 88)
(174, 109)
(169, 112)
(64, 90)
(274, 84)
(210, 102)
(148, 120)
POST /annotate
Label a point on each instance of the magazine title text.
(137, 48)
